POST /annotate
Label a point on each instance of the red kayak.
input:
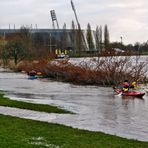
(130, 93)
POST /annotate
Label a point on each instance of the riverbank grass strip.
(16, 132)
(4, 101)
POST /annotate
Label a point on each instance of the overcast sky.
(126, 18)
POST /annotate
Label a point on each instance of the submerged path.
(27, 114)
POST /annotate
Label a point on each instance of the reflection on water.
(96, 108)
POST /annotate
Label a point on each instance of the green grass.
(24, 105)
(23, 133)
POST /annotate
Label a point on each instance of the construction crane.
(79, 27)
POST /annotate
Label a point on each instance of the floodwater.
(96, 108)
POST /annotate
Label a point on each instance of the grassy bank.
(22, 133)
(24, 105)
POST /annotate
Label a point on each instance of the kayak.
(32, 77)
(130, 93)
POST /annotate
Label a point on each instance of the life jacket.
(125, 89)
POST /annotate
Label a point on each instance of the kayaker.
(134, 85)
(32, 73)
(125, 86)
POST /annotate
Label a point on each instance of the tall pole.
(4, 39)
(121, 41)
(79, 27)
(74, 10)
(50, 43)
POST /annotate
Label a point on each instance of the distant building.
(50, 38)
(43, 34)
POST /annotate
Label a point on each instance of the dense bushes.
(92, 71)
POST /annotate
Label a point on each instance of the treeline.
(140, 48)
(98, 40)
(91, 40)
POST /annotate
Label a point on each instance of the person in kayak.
(125, 86)
(134, 86)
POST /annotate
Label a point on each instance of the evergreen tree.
(79, 37)
(106, 38)
(74, 37)
(77, 41)
(89, 38)
(64, 37)
(98, 38)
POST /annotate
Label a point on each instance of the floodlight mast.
(74, 10)
(79, 27)
(54, 18)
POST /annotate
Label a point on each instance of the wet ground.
(96, 108)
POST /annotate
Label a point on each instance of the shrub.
(95, 71)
